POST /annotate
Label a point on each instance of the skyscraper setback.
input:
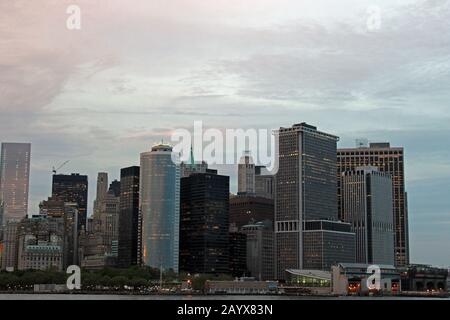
(159, 203)
(14, 179)
(389, 160)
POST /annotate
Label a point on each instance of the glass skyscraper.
(14, 180)
(160, 208)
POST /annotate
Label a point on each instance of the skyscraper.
(366, 203)
(102, 190)
(204, 219)
(246, 174)
(72, 188)
(306, 191)
(389, 160)
(160, 207)
(14, 179)
(129, 219)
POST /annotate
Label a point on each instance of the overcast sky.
(138, 69)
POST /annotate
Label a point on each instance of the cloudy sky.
(139, 69)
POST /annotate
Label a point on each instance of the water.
(189, 298)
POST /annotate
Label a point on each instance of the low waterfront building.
(424, 278)
(352, 279)
(242, 286)
(308, 281)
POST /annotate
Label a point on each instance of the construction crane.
(62, 165)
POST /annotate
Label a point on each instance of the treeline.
(134, 278)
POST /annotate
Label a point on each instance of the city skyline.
(278, 64)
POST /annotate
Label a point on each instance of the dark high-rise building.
(245, 209)
(389, 160)
(238, 254)
(14, 180)
(305, 187)
(204, 223)
(129, 218)
(72, 188)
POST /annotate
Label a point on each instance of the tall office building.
(108, 216)
(74, 189)
(306, 191)
(14, 179)
(71, 233)
(389, 160)
(102, 190)
(159, 204)
(204, 219)
(129, 219)
(366, 203)
(260, 250)
(246, 174)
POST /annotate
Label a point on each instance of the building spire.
(191, 157)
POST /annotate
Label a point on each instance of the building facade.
(389, 160)
(14, 180)
(245, 209)
(260, 250)
(72, 188)
(129, 252)
(238, 253)
(305, 187)
(366, 203)
(160, 207)
(204, 223)
(246, 174)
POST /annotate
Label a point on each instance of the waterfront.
(26, 296)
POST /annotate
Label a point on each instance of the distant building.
(238, 253)
(366, 203)
(102, 190)
(40, 243)
(264, 183)
(389, 160)
(260, 250)
(9, 256)
(160, 207)
(247, 208)
(129, 252)
(107, 217)
(204, 223)
(14, 180)
(305, 186)
(246, 174)
(71, 234)
(74, 189)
